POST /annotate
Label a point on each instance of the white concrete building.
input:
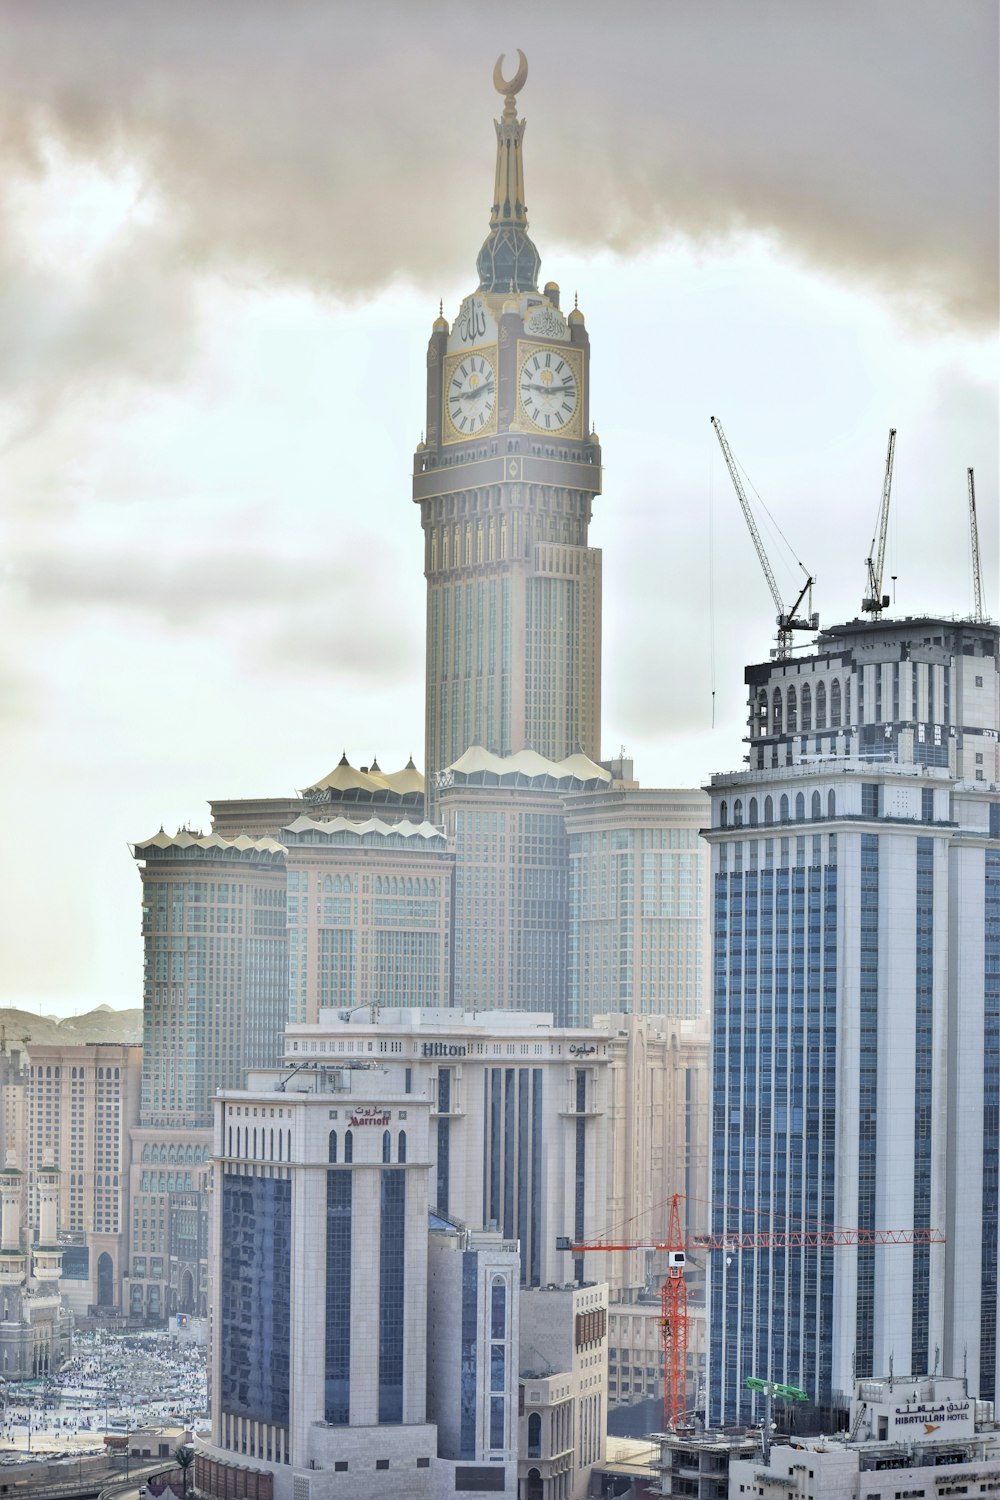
(543, 1130)
(564, 1390)
(856, 1015)
(323, 1324)
(913, 1438)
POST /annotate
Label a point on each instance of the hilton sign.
(442, 1049)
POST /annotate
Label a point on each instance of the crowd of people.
(112, 1383)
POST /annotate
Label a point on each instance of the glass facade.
(773, 1123)
(392, 1288)
(923, 1102)
(215, 976)
(337, 1404)
(991, 1128)
(512, 1160)
(470, 1347)
(868, 1045)
(637, 899)
(255, 1262)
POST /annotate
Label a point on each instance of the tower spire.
(508, 257)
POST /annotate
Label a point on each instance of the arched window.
(386, 1146)
(831, 804)
(753, 812)
(401, 1156)
(535, 1435)
(847, 704)
(821, 705)
(817, 805)
(791, 716)
(776, 712)
(835, 703)
(332, 1151)
(738, 813)
(348, 1145)
(768, 809)
(800, 806)
(806, 706)
(783, 806)
(723, 814)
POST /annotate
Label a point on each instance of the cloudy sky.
(224, 231)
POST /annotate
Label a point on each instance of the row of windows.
(784, 805)
(795, 712)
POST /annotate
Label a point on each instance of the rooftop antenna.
(875, 601)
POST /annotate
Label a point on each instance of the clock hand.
(548, 390)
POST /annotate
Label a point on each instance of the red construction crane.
(673, 1293)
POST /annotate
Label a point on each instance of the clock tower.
(505, 480)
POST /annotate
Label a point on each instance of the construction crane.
(787, 620)
(673, 1293)
(875, 601)
(977, 572)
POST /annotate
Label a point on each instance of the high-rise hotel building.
(856, 1014)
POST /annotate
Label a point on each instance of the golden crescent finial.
(519, 79)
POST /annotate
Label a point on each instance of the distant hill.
(100, 1025)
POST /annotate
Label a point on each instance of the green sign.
(790, 1392)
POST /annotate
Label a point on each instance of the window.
(768, 809)
(831, 803)
(869, 799)
(835, 704)
(381, 1463)
(348, 1145)
(821, 705)
(817, 805)
(791, 720)
(806, 707)
(776, 712)
(783, 805)
(753, 812)
(332, 1154)
(800, 806)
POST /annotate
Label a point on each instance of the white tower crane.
(977, 572)
(875, 601)
(790, 619)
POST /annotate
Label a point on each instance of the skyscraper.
(856, 1016)
(505, 478)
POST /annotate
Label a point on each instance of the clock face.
(470, 395)
(549, 389)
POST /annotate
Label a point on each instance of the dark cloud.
(183, 589)
(341, 145)
(314, 618)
